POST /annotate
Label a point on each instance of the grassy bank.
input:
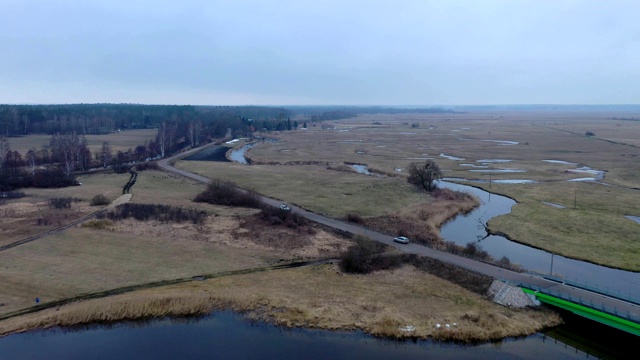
(331, 192)
(595, 230)
(317, 296)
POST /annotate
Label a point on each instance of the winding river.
(226, 335)
(466, 228)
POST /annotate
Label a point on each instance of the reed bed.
(381, 303)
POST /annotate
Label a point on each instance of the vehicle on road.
(401, 240)
(285, 207)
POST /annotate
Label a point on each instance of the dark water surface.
(225, 335)
(468, 228)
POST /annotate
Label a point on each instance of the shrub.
(150, 165)
(504, 262)
(275, 216)
(60, 203)
(53, 178)
(354, 218)
(366, 256)
(98, 224)
(163, 213)
(589, 133)
(225, 193)
(100, 200)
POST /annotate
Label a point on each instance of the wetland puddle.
(633, 218)
(558, 206)
(450, 157)
(226, 335)
(470, 228)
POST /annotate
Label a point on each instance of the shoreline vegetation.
(418, 294)
(415, 294)
(383, 303)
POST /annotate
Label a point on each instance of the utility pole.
(575, 198)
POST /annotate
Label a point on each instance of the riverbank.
(402, 303)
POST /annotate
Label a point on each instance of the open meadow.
(102, 256)
(311, 168)
(119, 141)
(381, 303)
(549, 150)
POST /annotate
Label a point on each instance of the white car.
(285, 207)
(401, 240)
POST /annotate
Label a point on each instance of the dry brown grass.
(83, 260)
(21, 218)
(119, 141)
(320, 297)
(102, 256)
(597, 231)
(421, 222)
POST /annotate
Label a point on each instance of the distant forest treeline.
(178, 127)
(321, 113)
(17, 120)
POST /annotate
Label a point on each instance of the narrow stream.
(469, 228)
(225, 335)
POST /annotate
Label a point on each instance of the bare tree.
(84, 154)
(197, 130)
(70, 151)
(4, 150)
(424, 175)
(32, 160)
(162, 139)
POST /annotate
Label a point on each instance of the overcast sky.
(360, 52)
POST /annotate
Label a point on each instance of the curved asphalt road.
(588, 298)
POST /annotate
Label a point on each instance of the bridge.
(623, 314)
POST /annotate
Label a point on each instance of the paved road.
(621, 308)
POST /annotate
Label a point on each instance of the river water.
(225, 335)
(468, 228)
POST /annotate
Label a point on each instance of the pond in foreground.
(225, 335)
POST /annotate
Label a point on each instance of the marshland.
(221, 257)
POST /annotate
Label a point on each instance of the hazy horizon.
(368, 53)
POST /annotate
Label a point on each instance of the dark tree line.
(67, 153)
(162, 213)
(17, 120)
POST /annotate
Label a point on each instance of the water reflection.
(467, 228)
(227, 336)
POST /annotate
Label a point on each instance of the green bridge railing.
(619, 321)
